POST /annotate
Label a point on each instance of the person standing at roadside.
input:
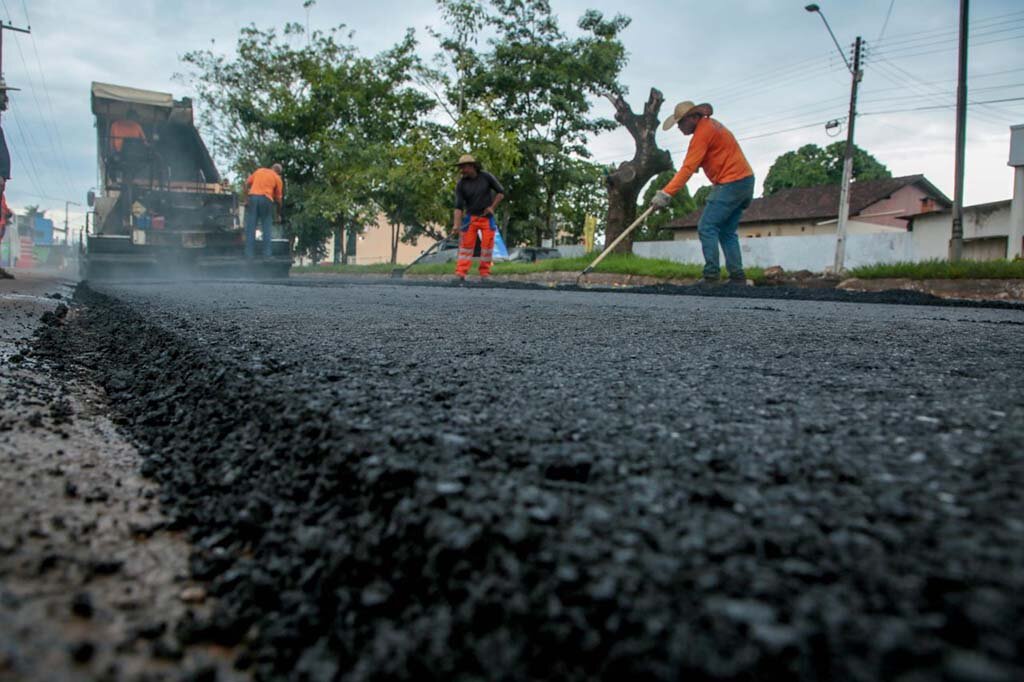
(714, 149)
(477, 196)
(265, 190)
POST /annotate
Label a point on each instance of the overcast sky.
(766, 65)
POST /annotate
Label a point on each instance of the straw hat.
(681, 110)
(467, 159)
(684, 108)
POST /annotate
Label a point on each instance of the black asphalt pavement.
(399, 482)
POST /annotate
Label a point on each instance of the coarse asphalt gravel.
(400, 482)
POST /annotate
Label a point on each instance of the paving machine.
(162, 209)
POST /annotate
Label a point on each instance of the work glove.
(661, 200)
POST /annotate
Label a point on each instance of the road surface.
(406, 482)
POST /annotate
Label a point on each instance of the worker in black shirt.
(476, 198)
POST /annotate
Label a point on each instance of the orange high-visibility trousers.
(486, 227)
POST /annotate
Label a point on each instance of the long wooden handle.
(610, 247)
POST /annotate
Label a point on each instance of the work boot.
(738, 281)
(708, 283)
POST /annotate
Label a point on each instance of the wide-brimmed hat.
(682, 109)
(466, 159)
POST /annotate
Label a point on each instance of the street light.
(813, 8)
(844, 188)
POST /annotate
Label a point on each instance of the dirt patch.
(91, 574)
(963, 289)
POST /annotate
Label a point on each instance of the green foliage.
(359, 136)
(811, 165)
(700, 199)
(329, 115)
(542, 83)
(681, 205)
(941, 269)
(584, 195)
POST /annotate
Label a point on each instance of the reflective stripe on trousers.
(485, 227)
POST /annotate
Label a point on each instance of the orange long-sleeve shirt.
(125, 129)
(266, 182)
(714, 149)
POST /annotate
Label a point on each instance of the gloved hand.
(661, 200)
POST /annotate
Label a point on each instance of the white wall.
(932, 232)
(795, 253)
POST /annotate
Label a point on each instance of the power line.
(30, 166)
(885, 24)
(950, 48)
(976, 32)
(49, 102)
(788, 130)
(986, 115)
(931, 34)
(976, 35)
(39, 109)
(942, 106)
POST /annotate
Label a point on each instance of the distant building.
(986, 231)
(875, 206)
(373, 246)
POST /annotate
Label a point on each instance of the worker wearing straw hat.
(714, 149)
(477, 196)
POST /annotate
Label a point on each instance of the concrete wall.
(792, 253)
(802, 228)
(931, 233)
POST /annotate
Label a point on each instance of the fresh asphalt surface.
(405, 482)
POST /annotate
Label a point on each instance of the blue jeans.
(259, 211)
(718, 224)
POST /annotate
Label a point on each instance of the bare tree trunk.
(339, 233)
(395, 227)
(625, 183)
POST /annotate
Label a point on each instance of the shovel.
(398, 273)
(625, 233)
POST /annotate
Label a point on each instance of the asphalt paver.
(396, 482)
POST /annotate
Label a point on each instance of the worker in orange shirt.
(127, 128)
(265, 190)
(714, 149)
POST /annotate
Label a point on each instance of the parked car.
(448, 250)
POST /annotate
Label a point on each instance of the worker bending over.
(714, 149)
(477, 196)
(127, 128)
(265, 189)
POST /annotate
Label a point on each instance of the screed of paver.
(91, 581)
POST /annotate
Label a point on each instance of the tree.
(327, 113)
(584, 195)
(542, 82)
(811, 165)
(701, 196)
(625, 183)
(681, 205)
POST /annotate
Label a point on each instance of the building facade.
(876, 206)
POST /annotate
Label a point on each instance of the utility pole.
(956, 242)
(844, 189)
(3, 84)
(66, 204)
